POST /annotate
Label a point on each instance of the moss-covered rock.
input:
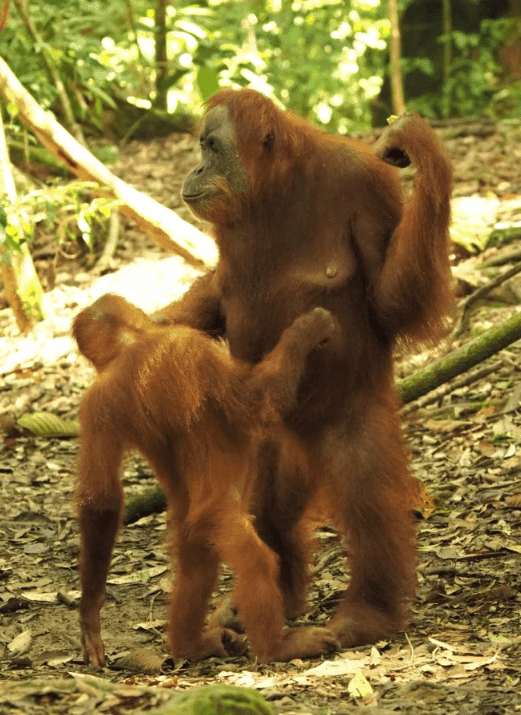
(217, 700)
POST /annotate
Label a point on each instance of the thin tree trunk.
(447, 43)
(133, 27)
(395, 51)
(161, 55)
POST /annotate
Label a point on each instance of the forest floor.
(462, 650)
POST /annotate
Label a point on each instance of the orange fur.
(198, 416)
(323, 222)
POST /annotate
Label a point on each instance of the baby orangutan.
(198, 415)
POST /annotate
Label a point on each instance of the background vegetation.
(115, 70)
(326, 59)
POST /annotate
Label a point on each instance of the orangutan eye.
(212, 145)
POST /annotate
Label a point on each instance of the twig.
(411, 647)
(482, 555)
(503, 260)
(467, 303)
(325, 559)
(4, 13)
(498, 593)
(109, 249)
(448, 571)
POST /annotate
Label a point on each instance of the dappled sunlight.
(148, 283)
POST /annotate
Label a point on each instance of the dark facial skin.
(220, 164)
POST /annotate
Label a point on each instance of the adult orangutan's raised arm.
(413, 291)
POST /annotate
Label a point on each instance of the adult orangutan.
(304, 219)
(198, 415)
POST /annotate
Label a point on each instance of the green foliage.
(10, 240)
(68, 210)
(217, 700)
(474, 85)
(325, 59)
(207, 81)
(71, 32)
(46, 424)
(504, 236)
(322, 58)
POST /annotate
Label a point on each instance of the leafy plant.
(474, 85)
(325, 59)
(322, 60)
(69, 209)
(10, 240)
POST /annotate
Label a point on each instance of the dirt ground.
(462, 650)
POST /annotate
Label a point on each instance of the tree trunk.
(161, 56)
(395, 51)
(447, 42)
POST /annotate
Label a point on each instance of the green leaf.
(192, 28)
(12, 243)
(207, 82)
(45, 424)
